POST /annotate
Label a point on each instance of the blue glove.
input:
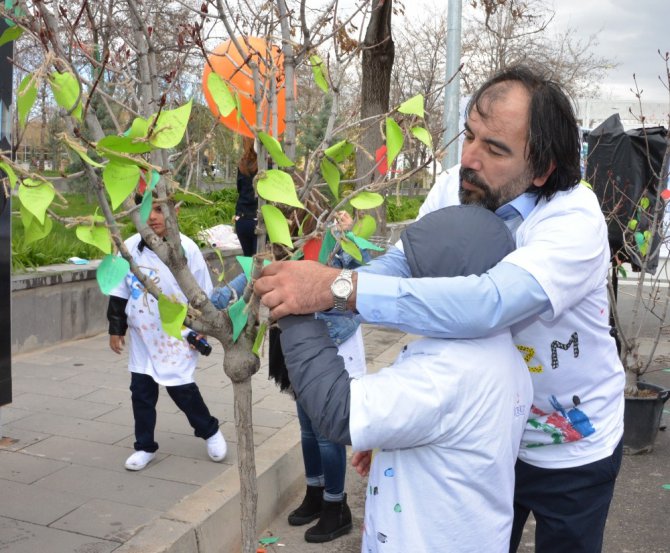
(222, 295)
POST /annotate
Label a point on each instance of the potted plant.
(629, 173)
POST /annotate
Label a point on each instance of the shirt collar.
(521, 205)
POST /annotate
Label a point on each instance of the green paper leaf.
(340, 151)
(331, 175)
(246, 263)
(276, 225)
(319, 72)
(277, 186)
(644, 203)
(362, 243)
(632, 224)
(238, 316)
(352, 250)
(122, 144)
(413, 106)
(145, 206)
(120, 180)
(172, 316)
(36, 197)
(666, 486)
(11, 175)
(155, 179)
(223, 98)
(25, 98)
(96, 236)
(367, 200)
(33, 229)
(365, 227)
(275, 150)
(260, 337)
(111, 271)
(82, 153)
(394, 140)
(268, 541)
(327, 245)
(422, 135)
(171, 126)
(66, 91)
(622, 271)
(12, 33)
(138, 129)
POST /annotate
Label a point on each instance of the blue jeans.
(144, 395)
(324, 460)
(570, 505)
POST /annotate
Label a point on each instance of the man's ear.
(539, 181)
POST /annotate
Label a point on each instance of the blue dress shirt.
(457, 307)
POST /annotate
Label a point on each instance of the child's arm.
(118, 322)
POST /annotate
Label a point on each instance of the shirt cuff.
(377, 298)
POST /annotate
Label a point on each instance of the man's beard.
(488, 197)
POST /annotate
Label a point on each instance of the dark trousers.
(245, 228)
(569, 505)
(144, 395)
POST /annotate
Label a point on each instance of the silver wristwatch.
(341, 288)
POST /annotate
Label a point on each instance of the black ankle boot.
(335, 521)
(309, 509)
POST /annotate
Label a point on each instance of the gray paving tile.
(22, 537)
(110, 396)
(82, 452)
(49, 387)
(271, 417)
(25, 468)
(41, 368)
(107, 520)
(9, 413)
(77, 408)
(17, 439)
(59, 425)
(133, 488)
(30, 503)
(186, 470)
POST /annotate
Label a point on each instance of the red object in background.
(380, 159)
(665, 194)
(312, 248)
(142, 185)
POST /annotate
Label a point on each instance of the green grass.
(194, 216)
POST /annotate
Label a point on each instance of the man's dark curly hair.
(553, 134)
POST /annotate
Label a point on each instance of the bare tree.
(499, 34)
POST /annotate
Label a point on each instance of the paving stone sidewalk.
(69, 430)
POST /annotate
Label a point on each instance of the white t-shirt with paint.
(448, 416)
(577, 415)
(170, 362)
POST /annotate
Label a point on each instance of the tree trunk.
(378, 54)
(240, 365)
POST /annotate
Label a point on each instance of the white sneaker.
(139, 460)
(216, 447)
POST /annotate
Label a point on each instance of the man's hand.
(116, 343)
(296, 287)
(361, 461)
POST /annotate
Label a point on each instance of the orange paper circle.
(227, 62)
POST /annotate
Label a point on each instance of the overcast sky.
(631, 32)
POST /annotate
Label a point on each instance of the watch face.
(341, 288)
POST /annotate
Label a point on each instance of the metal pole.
(452, 92)
(6, 70)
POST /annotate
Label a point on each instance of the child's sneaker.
(139, 460)
(216, 447)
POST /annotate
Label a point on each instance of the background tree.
(121, 75)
